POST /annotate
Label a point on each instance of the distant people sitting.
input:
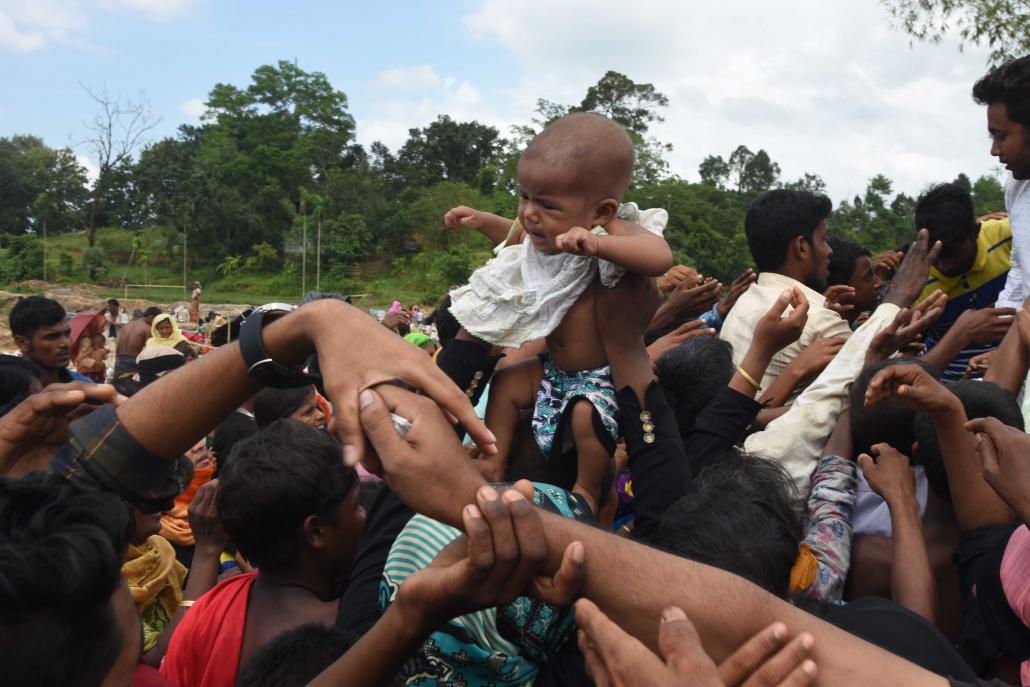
(164, 331)
(288, 404)
(43, 335)
(786, 233)
(971, 270)
(91, 357)
(131, 340)
(852, 265)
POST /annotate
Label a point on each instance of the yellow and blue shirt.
(977, 288)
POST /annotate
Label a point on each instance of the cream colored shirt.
(796, 439)
(740, 324)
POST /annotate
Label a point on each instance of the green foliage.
(264, 259)
(988, 195)
(1001, 25)
(95, 263)
(431, 274)
(24, 258)
(230, 264)
(41, 185)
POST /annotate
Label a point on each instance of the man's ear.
(605, 212)
(799, 248)
(314, 533)
(24, 345)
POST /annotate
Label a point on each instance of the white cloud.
(92, 169)
(18, 41)
(419, 95)
(27, 25)
(193, 108)
(161, 10)
(412, 78)
(826, 88)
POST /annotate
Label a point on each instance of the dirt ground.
(86, 297)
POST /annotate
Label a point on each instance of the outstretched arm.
(492, 226)
(627, 244)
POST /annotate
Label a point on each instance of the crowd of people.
(817, 473)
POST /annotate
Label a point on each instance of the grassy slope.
(246, 286)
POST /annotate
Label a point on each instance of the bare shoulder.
(621, 227)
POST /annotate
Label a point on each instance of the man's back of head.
(946, 212)
(740, 518)
(61, 551)
(889, 421)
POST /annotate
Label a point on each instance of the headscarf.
(156, 339)
(155, 581)
(154, 361)
(175, 524)
(419, 339)
(395, 307)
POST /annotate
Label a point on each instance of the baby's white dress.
(522, 294)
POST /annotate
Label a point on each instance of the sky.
(824, 87)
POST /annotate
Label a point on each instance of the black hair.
(295, 657)
(447, 325)
(946, 212)
(980, 399)
(842, 262)
(693, 373)
(1009, 84)
(33, 312)
(277, 404)
(272, 482)
(741, 518)
(889, 421)
(113, 301)
(776, 218)
(19, 378)
(61, 553)
(152, 311)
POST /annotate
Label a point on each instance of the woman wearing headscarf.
(294, 404)
(164, 331)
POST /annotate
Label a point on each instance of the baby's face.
(549, 206)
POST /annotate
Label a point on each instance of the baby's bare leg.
(592, 457)
(511, 389)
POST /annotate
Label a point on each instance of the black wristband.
(260, 365)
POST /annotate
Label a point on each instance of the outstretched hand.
(908, 326)
(203, 517)
(677, 275)
(889, 474)
(914, 386)
(1004, 456)
(776, 332)
(497, 560)
(677, 336)
(617, 659)
(427, 468)
(911, 276)
(737, 288)
(837, 298)
(36, 427)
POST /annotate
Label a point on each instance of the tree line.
(273, 170)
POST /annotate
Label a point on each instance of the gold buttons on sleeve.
(647, 426)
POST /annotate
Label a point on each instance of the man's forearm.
(912, 581)
(1009, 363)
(941, 355)
(187, 402)
(726, 619)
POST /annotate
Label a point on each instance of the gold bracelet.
(750, 379)
(186, 603)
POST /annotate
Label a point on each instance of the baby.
(541, 284)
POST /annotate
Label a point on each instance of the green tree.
(760, 174)
(738, 162)
(988, 195)
(714, 171)
(39, 185)
(1003, 26)
(635, 106)
(808, 182)
(447, 150)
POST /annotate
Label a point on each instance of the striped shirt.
(978, 288)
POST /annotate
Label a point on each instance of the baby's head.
(573, 174)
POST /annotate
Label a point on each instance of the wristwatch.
(259, 364)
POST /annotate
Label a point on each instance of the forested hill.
(273, 177)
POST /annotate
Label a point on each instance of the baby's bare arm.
(635, 248)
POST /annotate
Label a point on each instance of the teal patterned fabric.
(558, 388)
(497, 646)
